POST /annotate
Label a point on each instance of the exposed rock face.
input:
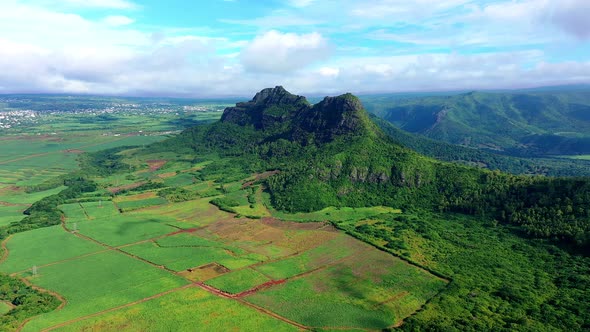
(267, 108)
(333, 116)
(277, 109)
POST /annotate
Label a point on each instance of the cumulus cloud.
(276, 52)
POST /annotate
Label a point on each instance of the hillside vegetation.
(332, 154)
(518, 124)
(482, 158)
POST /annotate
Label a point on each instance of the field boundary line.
(5, 249)
(65, 260)
(84, 210)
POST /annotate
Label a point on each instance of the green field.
(5, 308)
(186, 310)
(99, 282)
(179, 258)
(238, 281)
(44, 246)
(126, 206)
(125, 229)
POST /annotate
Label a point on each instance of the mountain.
(332, 154)
(536, 123)
(481, 158)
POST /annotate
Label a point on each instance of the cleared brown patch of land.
(115, 190)
(166, 175)
(137, 197)
(10, 190)
(13, 204)
(156, 164)
(205, 272)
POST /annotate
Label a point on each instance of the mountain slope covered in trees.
(519, 124)
(481, 158)
(332, 154)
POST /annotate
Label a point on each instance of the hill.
(537, 123)
(332, 154)
(548, 166)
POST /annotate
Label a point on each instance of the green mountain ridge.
(332, 154)
(519, 124)
(481, 158)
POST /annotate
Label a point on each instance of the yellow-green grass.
(73, 212)
(44, 246)
(100, 209)
(187, 310)
(238, 281)
(5, 307)
(318, 257)
(205, 189)
(372, 290)
(182, 179)
(253, 211)
(238, 258)
(99, 282)
(196, 213)
(19, 196)
(10, 214)
(337, 214)
(189, 240)
(125, 229)
(140, 204)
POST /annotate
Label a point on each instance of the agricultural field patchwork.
(176, 232)
(301, 274)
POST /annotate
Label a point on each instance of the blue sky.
(231, 48)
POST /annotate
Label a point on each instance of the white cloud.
(109, 56)
(276, 52)
(329, 71)
(118, 20)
